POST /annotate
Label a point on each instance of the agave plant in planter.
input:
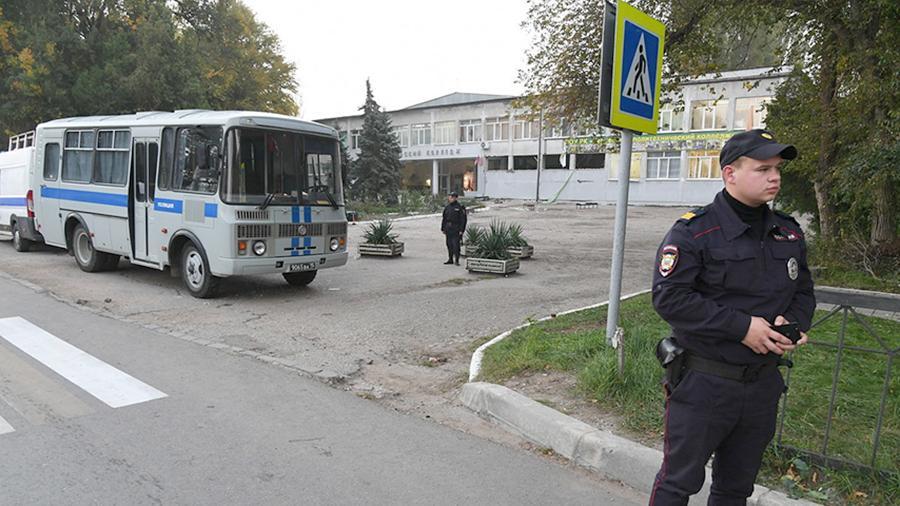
(492, 251)
(518, 245)
(470, 241)
(380, 241)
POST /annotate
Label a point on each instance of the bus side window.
(51, 161)
(153, 153)
(167, 159)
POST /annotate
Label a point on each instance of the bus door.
(44, 184)
(145, 239)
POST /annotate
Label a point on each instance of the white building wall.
(583, 184)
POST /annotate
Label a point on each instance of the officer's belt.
(742, 373)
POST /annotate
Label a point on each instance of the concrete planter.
(462, 250)
(523, 252)
(492, 266)
(381, 250)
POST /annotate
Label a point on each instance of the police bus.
(16, 221)
(208, 194)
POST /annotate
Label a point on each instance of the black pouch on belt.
(671, 356)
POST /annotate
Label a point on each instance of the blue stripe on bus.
(210, 210)
(307, 214)
(168, 206)
(108, 199)
(295, 243)
(307, 242)
(295, 214)
(13, 201)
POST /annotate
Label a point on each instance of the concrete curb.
(613, 456)
(478, 356)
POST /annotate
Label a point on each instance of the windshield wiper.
(268, 200)
(331, 199)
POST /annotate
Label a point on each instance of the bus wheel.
(20, 243)
(299, 278)
(196, 274)
(87, 258)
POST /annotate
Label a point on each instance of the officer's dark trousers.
(453, 245)
(706, 414)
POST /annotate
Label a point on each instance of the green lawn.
(576, 344)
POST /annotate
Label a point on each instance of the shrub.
(472, 239)
(379, 232)
(516, 239)
(494, 242)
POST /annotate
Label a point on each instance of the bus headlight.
(335, 244)
(259, 248)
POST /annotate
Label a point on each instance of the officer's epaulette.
(787, 216)
(690, 215)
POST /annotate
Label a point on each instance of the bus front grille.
(254, 231)
(252, 215)
(337, 228)
(299, 229)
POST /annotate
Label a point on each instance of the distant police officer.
(453, 225)
(724, 275)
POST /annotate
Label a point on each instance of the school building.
(481, 145)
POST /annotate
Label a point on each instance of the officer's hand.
(762, 339)
(781, 320)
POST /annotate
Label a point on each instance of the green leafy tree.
(85, 57)
(377, 170)
(239, 58)
(840, 105)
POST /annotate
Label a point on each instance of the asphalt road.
(194, 425)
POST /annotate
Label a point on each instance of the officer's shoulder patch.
(668, 259)
(690, 215)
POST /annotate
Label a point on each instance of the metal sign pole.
(615, 280)
(540, 159)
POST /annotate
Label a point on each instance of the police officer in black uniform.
(725, 274)
(453, 225)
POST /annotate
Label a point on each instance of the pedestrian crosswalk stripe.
(103, 381)
(5, 427)
(33, 394)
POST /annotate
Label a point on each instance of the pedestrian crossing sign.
(637, 69)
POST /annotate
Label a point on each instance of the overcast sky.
(411, 50)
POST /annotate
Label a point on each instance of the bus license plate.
(309, 266)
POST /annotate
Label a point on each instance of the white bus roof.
(190, 117)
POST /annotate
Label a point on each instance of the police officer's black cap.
(757, 144)
(454, 194)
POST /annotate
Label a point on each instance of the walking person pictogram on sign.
(638, 82)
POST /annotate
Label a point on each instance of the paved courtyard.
(401, 329)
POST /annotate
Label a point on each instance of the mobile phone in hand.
(789, 330)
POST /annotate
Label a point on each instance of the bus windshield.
(271, 167)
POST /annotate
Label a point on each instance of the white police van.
(208, 194)
(16, 216)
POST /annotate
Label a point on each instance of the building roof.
(457, 98)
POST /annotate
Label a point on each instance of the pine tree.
(377, 169)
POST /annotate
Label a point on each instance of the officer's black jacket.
(454, 219)
(722, 276)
